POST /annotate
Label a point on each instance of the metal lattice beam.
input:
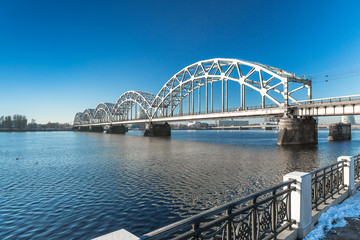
(269, 82)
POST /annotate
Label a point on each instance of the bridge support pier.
(96, 129)
(122, 129)
(294, 131)
(339, 132)
(84, 129)
(157, 130)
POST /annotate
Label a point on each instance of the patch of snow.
(335, 217)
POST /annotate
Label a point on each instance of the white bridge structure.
(206, 90)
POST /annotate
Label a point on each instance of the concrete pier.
(339, 132)
(117, 129)
(96, 129)
(294, 131)
(84, 129)
(157, 130)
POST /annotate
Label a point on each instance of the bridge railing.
(261, 215)
(226, 110)
(326, 182)
(328, 100)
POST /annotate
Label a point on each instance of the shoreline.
(36, 130)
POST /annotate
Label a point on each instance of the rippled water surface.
(70, 185)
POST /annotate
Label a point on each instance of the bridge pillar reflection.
(294, 131)
(157, 130)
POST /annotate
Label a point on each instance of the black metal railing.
(357, 167)
(262, 215)
(326, 182)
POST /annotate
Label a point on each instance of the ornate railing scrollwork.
(357, 167)
(261, 215)
(326, 182)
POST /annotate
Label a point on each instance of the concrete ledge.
(288, 235)
(118, 235)
(338, 198)
(357, 184)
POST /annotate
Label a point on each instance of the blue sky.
(61, 57)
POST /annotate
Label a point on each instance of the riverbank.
(37, 130)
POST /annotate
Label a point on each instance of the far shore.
(36, 130)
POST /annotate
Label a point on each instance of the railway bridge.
(223, 88)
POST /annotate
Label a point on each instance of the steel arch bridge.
(261, 78)
(122, 109)
(190, 93)
(102, 112)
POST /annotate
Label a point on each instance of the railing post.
(195, 227)
(228, 226)
(301, 206)
(254, 220)
(349, 173)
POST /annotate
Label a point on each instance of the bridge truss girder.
(269, 82)
(78, 118)
(102, 112)
(87, 116)
(204, 73)
(124, 105)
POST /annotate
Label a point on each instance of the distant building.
(229, 123)
(272, 119)
(197, 125)
(348, 119)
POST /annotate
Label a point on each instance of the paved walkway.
(350, 231)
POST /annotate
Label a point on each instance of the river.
(73, 185)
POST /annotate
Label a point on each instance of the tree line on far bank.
(17, 121)
(20, 122)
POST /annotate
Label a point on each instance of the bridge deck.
(279, 111)
(337, 106)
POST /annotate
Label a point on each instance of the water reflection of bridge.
(210, 89)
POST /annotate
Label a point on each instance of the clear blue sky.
(61, 57)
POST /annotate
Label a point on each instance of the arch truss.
(78, 118)
(122, 109)
(102, 112)
(191, 91)
(87, 116)
(269, 82)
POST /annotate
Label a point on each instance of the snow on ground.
(334, 217)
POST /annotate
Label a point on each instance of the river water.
(72, 185)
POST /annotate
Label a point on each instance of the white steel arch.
(102, 112)
(78, 118)
(127, 100)
(269, 82)
(261, 78)
(87, 116)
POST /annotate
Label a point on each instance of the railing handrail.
(329, 98)
(326, 167)
(213, 211)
